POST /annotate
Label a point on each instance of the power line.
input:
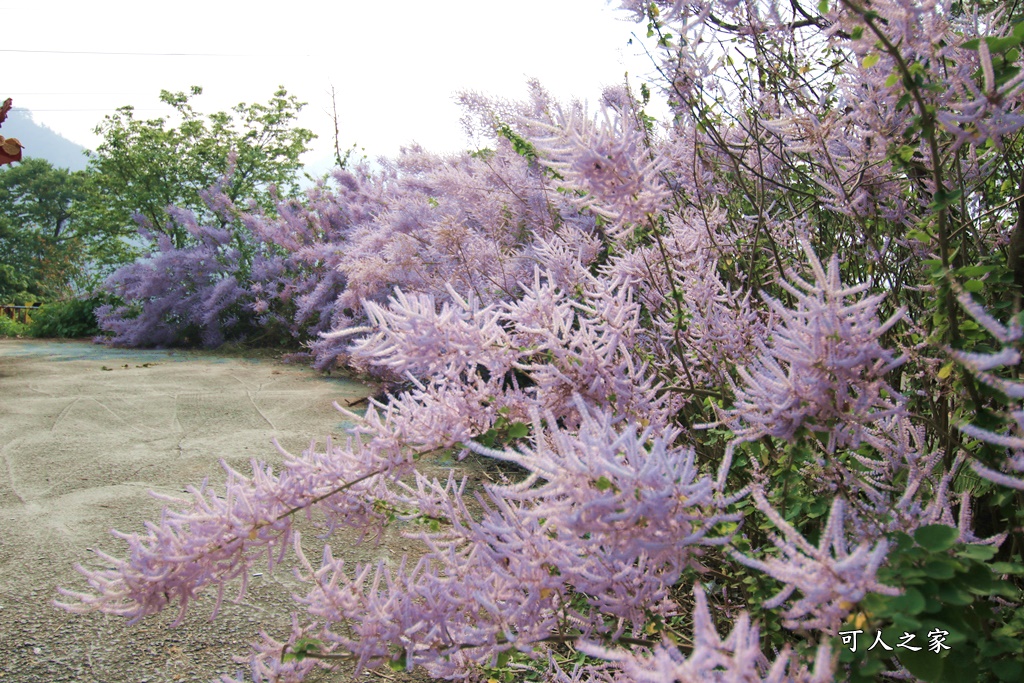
(33, 109)
(145, 54)
(8, 93)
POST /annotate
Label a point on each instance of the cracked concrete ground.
(85, 433)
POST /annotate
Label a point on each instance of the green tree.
(52, 241)
(36, 194)
(145, 166)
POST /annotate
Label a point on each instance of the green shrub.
(69, 318)
(13, 286)
(12, 328)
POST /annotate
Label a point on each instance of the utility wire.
(126, 92)
(146, 54)
(33, 109)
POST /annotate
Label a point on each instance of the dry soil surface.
(85, 433)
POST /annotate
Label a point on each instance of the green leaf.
(398, 664)
(974, 286)
(901, 623)
(817, 508)
(902, 541)
(488, 438)
(944, 200)
(518, 430)
(1008, 669)
(919, 235)
(823, 6)
(978, 552)
(892, 80)
(870, 60)
(924, 665)
(955, 596)
(974, 271)
(936, 537)
(875, 603)
(940, 568)
(911, 602)
(1006, 74)
(1002, 44)
(978, 579)
(603, 483)
(302, 648)
(1004, 589)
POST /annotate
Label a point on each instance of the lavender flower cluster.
(680, 335)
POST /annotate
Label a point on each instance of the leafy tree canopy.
(145, 166)
(51, 226)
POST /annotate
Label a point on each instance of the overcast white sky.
(396, 66)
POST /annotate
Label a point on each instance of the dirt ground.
(85, 433)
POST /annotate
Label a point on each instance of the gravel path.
(85, 433)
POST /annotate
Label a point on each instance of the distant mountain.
(42, 142)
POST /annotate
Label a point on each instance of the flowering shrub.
(178, 294)
(753, 370)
